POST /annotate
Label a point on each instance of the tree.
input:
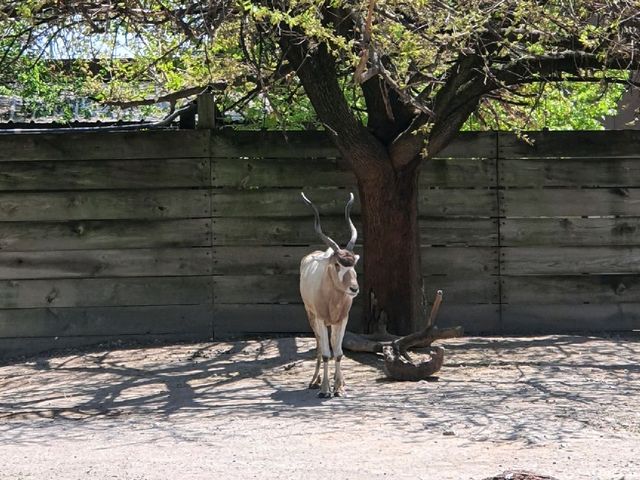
(391, 81)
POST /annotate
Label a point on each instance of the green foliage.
(133, 51)
(556, 106)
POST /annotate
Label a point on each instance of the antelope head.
(342, 262)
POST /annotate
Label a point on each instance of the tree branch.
(171, 98)
(316, 69)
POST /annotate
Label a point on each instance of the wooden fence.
(194, 234)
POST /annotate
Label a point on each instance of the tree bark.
(389, 206)
(388, 187)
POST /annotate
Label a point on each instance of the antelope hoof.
(340, 393)
(324, 395)
(314, 386)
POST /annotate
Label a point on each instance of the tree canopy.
(133, 53)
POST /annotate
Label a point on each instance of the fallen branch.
(397, 362)
(399, 368)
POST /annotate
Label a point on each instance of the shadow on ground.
(533, 390)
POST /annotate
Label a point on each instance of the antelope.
(328, 285)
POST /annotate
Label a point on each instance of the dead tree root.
(398, 365)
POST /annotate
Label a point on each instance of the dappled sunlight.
(533, 391)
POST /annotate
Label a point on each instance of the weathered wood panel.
(260, 229)
(263, 144)
(109, 204)
(551, 202)
(471, 232)
(242, 173)
(459, 261)
(570, 144)
(458, 173)
(105, 263)
(570, 260)
(104, 145)
(258, 261)
(243, 319)
(275, 260)
(569, 231)
(252, 289)
(119, 320)
(471, 145)
(570, 172)
(104, 234)
(278, 231)
(296, 231)
(284, 203)
(479, 202)
(473, 318)
(571, 289)
(287, 203)
(104, 174)
(310, 144)
(563, 318)
(96, 292)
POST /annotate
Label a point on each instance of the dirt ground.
(557, 405)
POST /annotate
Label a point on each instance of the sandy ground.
(562, 406)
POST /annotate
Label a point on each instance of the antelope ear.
(357, 257)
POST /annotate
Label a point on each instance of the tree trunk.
(389, 205)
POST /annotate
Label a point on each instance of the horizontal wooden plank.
(550, 202)
(258, 261)
(471, 145)
(104, 234)
(296, 231)
(569, 260)
(104, 174)
(570, 289)
(230, 320)
(449, 202)
(562, 318)
(103, 145)
(107, 205)
(246, 172)
(276, 231)
(570, 172)
(459, 261)
(570, 144)
(73, 322)
(474, 319)
(97, 292)
(569, 231)
(271, 144)
(252, 289)
(17, 348)
(478, 232)
(247, 289)
(280, 203)
(469, 289)
(458, 172)
(105, 263)
(275, 260)
(287, 203)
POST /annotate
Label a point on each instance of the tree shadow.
(530, 390)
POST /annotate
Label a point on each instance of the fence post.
(206, 110)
